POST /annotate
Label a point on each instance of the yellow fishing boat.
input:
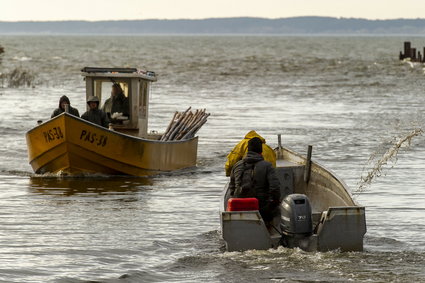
(68, 144)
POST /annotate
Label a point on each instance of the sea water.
(346, 96)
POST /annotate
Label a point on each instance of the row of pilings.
(411, 53)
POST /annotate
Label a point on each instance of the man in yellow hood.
(240, 150)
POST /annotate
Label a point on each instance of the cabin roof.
(96, 72)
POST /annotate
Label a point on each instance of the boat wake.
(386, 157)
(64, 176)
(17, 173)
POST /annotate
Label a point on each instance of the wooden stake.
(307, 168)
(176, 124)
(169, 125)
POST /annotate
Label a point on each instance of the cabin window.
(103, 90)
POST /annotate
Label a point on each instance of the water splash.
(390, 155)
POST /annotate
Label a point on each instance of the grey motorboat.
(317, 213)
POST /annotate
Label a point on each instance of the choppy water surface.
(345, 96)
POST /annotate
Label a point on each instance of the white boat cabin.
(135, 85)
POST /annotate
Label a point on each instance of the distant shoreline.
(296, 26)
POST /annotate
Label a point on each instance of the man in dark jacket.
(95, 115)
(63, 101)
(117, 103)
(254, 177)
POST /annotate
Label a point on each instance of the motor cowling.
(296, 215)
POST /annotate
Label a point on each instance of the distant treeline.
(296, 25)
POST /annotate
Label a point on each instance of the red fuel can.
(242, 204)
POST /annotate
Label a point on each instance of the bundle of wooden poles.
(185, 125)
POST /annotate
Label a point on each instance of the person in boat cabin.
(254, 177)
(63, 101)
(116, 104)
(241, 149)
(94, 114)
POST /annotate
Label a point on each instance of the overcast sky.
(94, 10)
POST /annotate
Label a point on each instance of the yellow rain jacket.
(240, 150)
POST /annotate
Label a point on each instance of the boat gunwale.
(112, 132)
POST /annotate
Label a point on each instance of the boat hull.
(70, 145)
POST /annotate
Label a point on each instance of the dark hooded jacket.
(117, 104)
(265, 182)
(59, 110)
(96, 116)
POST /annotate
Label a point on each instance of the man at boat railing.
(94, 114)
(117, 106)
(63, 102)
(241, 149)
(254, 177)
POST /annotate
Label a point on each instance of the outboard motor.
(297, 224)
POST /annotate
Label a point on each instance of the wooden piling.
(406, 49)
(413, 54)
